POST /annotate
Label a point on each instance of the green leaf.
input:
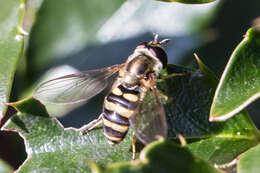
(161, 156)
(63, 27)
(4, 167)
(190, 1)
(240, 82)
(187, 114)
(11, 46)
(51, 148)
(203, 69)
(249, 161)
(221, 149)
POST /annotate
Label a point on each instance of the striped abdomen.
(119, 106)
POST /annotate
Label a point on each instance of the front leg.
(173, 75)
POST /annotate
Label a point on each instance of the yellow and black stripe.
(119, 106)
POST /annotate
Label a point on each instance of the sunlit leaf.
(187, 113)
(240, 82)
(249, 161)
(11, 46)
(50, 147)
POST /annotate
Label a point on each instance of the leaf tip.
(212, 118)
(202, 66)
(205, 70)
(182, 140)
(196, 57)
(199, 62)
(29, 105)
(220, 118)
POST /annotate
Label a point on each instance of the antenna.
(164, 41)
(156, 37)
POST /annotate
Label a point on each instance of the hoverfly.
(124, 105)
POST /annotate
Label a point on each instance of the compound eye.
(141, 45)
(160, 54)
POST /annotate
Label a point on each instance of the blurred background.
(66, 37)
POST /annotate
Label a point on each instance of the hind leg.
(91, 125)
(133, 147)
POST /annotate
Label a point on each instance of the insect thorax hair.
(157, 64)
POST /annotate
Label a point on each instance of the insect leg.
(173, 75)
(165, 97)
(137, 119)
(133, 147)
(152, 85)
(91, 125)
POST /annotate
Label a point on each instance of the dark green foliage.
(59, 32)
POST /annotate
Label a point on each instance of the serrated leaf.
(249, 161)
(187, 114)
(11, 46)
(161, 156)
(240, 82)
(51, 148)
(190, 1)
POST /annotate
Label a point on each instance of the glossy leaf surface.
(162, 156)
(249, 161)
(11, 46)
(50, 147)
(187, 114)
(240, 82)
(186, 111)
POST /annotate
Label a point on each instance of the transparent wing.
(75, 87)
(149, 122)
